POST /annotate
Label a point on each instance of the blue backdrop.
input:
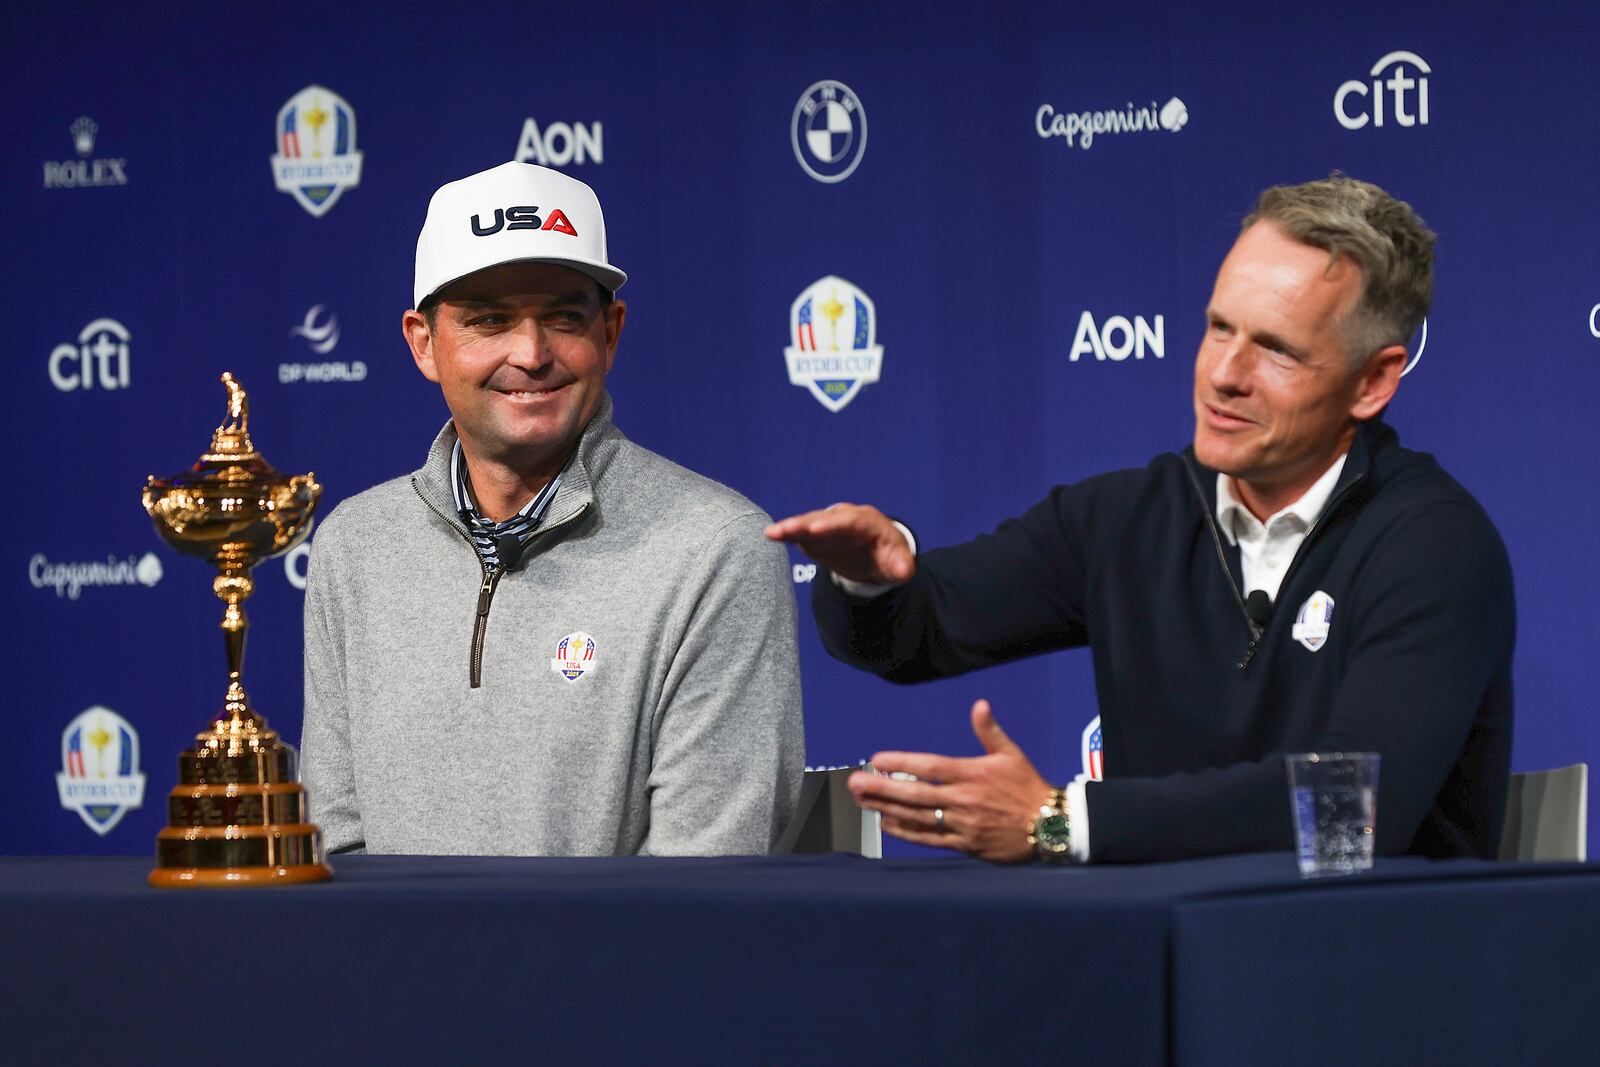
(1029, 199)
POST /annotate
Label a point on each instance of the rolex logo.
(83, 132)
(84, 171)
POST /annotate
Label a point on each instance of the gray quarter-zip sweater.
(637, 679)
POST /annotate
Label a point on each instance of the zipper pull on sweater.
(486, 590)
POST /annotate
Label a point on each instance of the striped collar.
(523, 525)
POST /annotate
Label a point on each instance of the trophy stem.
(233, 585)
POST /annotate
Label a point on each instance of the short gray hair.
(1382, 235)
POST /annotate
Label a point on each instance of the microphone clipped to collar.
(1258, 606)
(509, 551)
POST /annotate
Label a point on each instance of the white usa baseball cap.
(510, 213)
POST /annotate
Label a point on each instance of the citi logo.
(1353, 115)
(70, 579)
(561, 143)
(101, 355)
(1119, 337)
(523, 218)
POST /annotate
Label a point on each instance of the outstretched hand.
(988, 802)
(854, 541)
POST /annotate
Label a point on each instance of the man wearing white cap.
(547, 640)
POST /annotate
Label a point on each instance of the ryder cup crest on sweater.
(1311, 624)
(575, 656)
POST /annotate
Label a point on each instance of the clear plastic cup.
(1334, 799)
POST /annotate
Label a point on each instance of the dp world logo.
(829, 131)
(100, 777)
(833, 327)
(317, 158)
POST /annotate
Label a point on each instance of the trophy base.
(245, 877)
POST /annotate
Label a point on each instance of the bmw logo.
(829, 131)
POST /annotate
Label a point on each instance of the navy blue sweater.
(1416, 664)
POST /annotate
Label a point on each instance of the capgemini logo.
(70, 579)
(1083, 127)
(1174, 115)
(149, 570)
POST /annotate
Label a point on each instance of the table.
(802, 959)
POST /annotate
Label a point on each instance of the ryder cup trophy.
(238, 813)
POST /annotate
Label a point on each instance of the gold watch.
(1051, 832)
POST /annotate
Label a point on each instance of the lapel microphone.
(509, 549)
(1258, 607)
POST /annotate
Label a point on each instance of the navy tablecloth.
(830, 959)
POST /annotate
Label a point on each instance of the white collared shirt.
(1267, 548)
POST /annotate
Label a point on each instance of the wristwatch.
(1051, 833)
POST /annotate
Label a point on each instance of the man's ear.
(1377, 381)
(616, 315)
(419, 337)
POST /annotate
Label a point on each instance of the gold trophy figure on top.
(238, 813)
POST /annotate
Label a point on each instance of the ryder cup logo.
(828, 131)
(317, 158)
(832, 325)
(1311, 624)
(100, 777)
(574, 656)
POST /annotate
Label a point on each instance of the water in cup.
(1335, 799)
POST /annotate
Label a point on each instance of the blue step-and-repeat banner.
(1017, 209)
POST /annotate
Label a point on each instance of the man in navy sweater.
(1294, 581)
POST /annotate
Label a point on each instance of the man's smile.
(1223, 419)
